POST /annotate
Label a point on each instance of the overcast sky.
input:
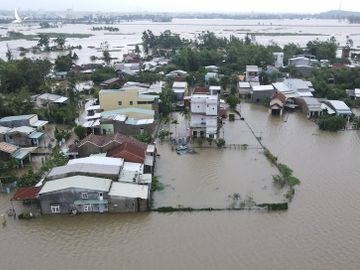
(309, 6)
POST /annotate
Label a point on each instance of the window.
(101, 195)
(55, 208)
(131, 103)
(84, 196)
(87, 208)
(120, 103)
(145, 102)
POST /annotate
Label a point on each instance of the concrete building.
(244, 89)
(339, 107)
(25, 136)
(30, 120)
(310, 106)
(204, 116)
(48, 98)
(279, 59)
(128, 197)
(127, 97)
(299, 61)
(252, 73)
(180, 89)
(353, 94)
(262, 93)
(214, 90)
(302, 87)
(76, 194)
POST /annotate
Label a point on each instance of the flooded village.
(177, 137)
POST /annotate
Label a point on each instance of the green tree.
(80, 132)
(60, 41)
(106, 57)
(232, 101)
(167, 99)
(44, 41)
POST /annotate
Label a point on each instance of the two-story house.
(204, 116)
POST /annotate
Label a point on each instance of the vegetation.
(80, 132)
(7, 169)
(286, 174)
(102, 74)
(145, 137)
(56, 159)
(156, 185)
(168, 98)
(323, 49)
(332, 123)
(232, 101)
(105, 28)
(220, 142)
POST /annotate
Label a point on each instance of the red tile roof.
(129, 151)
(101, 141)
(30, 193)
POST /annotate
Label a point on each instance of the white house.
(204, 116)
(279, 59)
(180, 88)
(252, 73)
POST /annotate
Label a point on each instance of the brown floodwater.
(321, 229)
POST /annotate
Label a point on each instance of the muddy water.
(319, 231)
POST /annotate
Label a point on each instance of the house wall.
(126, 205)
(19, 140)
(20, 123)
(66, 199)
(261, 96)
(109, 100)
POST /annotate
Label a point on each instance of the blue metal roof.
(36, 135)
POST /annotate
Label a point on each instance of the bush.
(332, 123)
(220, 142)
(80, 132)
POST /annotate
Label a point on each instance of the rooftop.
(339, 106)
(110, 171)
(129, 190)
(8, 148)
(179, 85)
(79, 182)
(53, 98)
(252, 68)
(17, 117)
(127, 111)
(268, 87)
(29, 193)
(98, 160)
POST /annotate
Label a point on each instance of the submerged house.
(204, 116)
(338, 107)
(81, 194)
(262, 93)
(310, 106)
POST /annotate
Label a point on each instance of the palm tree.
(106, 57)
(43, 41)
(60, 41)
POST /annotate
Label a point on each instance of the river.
(319, 231)
(130, 33)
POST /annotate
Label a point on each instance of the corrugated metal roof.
(39, 123)
(128, 110)
(87, 169)
(100, 160)
(129, 190)
(36, 135)
(23, 129)
(80, 182)
(21, 154)
(29, 193)
(17, 117)
(4, 130)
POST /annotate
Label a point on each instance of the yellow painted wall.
(109, 100)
